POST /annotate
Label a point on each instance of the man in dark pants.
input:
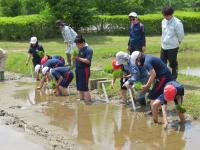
(172, 36)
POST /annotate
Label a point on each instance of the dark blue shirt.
(179, 89)
(59, 58)
(87, 53)
(53, 63)
(157, 64)
(137, 36)
(61, 71)
(34, 52)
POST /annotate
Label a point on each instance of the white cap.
(121, 57)
(37, 68)
(33, 40)
(134, 56)
(44, 70)
(133, 14)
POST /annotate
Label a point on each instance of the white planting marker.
(105, 93)
(131, 96)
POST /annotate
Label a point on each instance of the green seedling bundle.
(138, 86)
(180, 108)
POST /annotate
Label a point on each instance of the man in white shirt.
(172, 36)
(69, 36)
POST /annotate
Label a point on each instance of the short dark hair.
(59, 23)
(79, 39)
(167, 11)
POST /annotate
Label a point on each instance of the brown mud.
(68, 123)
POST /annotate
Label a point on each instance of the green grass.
(105, 48)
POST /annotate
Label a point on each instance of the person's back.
(61, 71)
(53, 63)
(157, 64)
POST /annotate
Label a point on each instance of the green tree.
(77, 13)
(11, 7)
(33, 6)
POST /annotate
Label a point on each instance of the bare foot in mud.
(88, 102)
(165, 125)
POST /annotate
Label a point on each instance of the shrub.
(119, 24)
(23, 27)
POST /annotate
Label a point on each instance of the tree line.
(78, 13)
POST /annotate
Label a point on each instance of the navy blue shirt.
(157, 64)
(87, 53)
(59, 58)
(53, 63)
(137, 36)
(34, 52)
(60, 71)
(179, 89)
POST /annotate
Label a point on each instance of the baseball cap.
(33, 40)
(134, 56)
(121, 57)
(133, 14)
(44, 60)
(169, 92)
(45, 70)
(115, 65)
(37, 68)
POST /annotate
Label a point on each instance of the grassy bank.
(105, 48)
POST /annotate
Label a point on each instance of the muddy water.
(191, 71)
(11, 139)
(110, 126)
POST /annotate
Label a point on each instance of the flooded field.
(99, 125)
(191, 71)
(11, 139)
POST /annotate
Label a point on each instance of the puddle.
(12, 139)
(116, 127)
(191, 71)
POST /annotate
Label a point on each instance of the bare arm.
(28, 58)
(113, 82)
(84, 60)
(41, 82)
(164, 112)
(150, 81)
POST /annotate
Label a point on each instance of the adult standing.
(137, 40)
(172, 36)
(69, 36)
(3, 56)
